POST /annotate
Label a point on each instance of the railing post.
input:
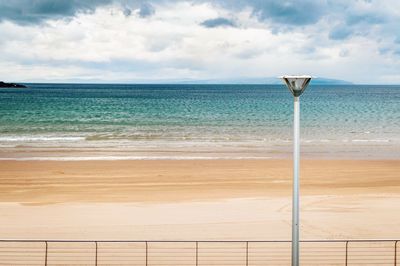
(147, 255)
(395, 253)
(96, 254)
(197, 253)
(45, 254)
(347, 252)
(247, 253)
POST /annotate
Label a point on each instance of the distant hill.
(269, 80)
(326, 81)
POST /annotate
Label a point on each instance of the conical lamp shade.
(297, 84)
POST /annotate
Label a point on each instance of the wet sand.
(197, 199)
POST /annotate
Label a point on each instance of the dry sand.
(197, 199)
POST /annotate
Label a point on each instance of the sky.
(128, 41)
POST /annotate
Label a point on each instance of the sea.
(170, 121)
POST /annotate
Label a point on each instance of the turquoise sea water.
(144, 121)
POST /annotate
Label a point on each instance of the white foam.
(370, 140)
(39, 138)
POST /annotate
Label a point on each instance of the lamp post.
(297, 85)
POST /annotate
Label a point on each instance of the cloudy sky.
(144, 41)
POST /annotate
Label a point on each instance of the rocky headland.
(11, 85)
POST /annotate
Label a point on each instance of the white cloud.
(171, 43)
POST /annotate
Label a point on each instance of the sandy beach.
(197, 199)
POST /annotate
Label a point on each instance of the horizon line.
(199, 83)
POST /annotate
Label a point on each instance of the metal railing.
(196, 253)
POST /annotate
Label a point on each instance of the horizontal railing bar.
(199, 241)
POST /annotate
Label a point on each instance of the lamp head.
(296, 84)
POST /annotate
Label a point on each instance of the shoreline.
(195, 153)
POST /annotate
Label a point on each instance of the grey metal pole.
(296, 164)
(296, 85)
